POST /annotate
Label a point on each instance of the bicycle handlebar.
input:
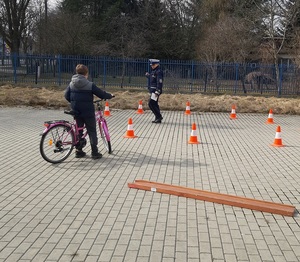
(98, 100)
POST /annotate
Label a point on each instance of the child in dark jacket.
(80, 93)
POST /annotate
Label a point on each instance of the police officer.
(155, 85)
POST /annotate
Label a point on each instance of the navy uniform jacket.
(80, 93)
(156, 78)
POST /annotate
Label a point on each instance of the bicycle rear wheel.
(105, 137)
(57, 143)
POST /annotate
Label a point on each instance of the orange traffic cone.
(193, 137)
(140, 108)
(233, 114)
(188, 108)
(278, 139)
(270, 118)
(106, 110)
(130, 132)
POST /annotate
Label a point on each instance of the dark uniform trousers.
(154, 107)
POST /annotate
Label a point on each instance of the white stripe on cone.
(278, 135)
(194, 133)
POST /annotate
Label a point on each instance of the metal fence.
(180, 76)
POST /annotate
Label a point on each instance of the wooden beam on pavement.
(259, 205)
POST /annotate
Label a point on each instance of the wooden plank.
(259, 205)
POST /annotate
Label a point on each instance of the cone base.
(130, 136)
(277, 145)
(187, 113)
(233, 117)
(193, 142)
(270, 122)
(107, 114)
(140, 112)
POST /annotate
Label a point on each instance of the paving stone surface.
(83, 209)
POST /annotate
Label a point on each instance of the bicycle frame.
(102, 122)
(73, 129)
(103, 128)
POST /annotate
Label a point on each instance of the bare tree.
(275, 16)
(228, 40)
(182, 27)
(13, 22)
(67, 34)
(297, 48)
(35, 17)
(126, 39)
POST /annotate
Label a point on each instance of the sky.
(52, 3)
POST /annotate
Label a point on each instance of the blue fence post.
(280, 80)
(148, 70)
(104, 72)
(236, 76)
(192, 76)
(37, 65)
(15, 57)
(59, 69)
(205, 81)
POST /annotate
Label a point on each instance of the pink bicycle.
(61, 136)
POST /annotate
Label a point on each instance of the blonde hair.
(82, 69)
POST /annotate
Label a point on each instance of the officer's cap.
(153, 61)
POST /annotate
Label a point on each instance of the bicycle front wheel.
(105, 137)
(57, 143)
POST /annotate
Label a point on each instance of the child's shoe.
(79, 154)
(96, 155)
